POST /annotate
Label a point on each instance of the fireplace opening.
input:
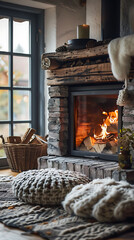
(95, 120)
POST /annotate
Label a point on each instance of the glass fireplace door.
(95, 123)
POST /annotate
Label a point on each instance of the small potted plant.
(126, 143)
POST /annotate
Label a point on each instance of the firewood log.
(87, 143)
(27, 136)
(99, 147)
(50, 63)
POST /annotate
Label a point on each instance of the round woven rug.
(52, 223)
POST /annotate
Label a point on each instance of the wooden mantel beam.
(61, 57)
(85, 66)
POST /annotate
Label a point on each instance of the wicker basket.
(22, 157)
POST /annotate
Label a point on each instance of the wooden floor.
(7, 233)
(7, 172)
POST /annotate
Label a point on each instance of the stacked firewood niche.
(22, 152)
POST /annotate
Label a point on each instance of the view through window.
(16, 75)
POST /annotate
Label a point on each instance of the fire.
(92, 139)
(112, 118)
(96, 136)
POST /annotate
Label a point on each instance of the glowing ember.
(105, 113)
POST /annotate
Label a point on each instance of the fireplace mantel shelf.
(81, 53)
(85, 66)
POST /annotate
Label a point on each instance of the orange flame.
(83, 130)
(112, 118)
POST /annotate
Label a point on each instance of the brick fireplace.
(78, 71)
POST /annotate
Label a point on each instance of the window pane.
(4, 68)
(4, 23)
(2, 152)
(20, 105)
(4, 130)
(21, 71)
(4, 105)
(20, 128)
(20, 36)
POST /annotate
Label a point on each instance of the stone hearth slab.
(90, 167)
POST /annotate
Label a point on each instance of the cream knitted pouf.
(46, 186)
(104, 199)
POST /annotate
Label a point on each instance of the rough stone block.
(100, 173)
(77, 167)
(70, 166)
(128, 111)
(58, 114)
(42, 162)
(58, 136)
(56, 164)
(85, 170)
(58, 104)
(57, 127)
(127, 175)
(107, 173)
(62, 165)
(58, 120)
(93, 174)
(50, 163)
(52, 150)
(116, 175)
(58, 91)
(57, 109)
(57, 144)
(128, 119)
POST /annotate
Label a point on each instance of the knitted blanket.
(106, 200)
(52, 223)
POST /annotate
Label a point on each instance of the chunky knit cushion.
(46, 186)
(106, 200)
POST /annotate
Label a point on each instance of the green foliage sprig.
(126, 139)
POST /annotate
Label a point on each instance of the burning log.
(108, 144)
(108, 138)
(113, 128)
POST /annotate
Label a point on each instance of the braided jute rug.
(52, 223)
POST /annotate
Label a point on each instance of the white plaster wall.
(49, 46)
(60, 26)
(50, 30)
(30, 3)
(67, 21)
(93, 18)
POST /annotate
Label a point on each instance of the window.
(21, 80)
